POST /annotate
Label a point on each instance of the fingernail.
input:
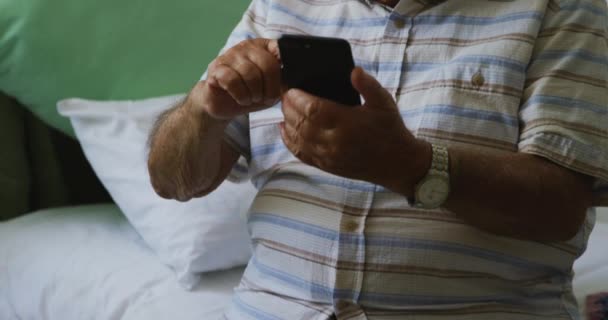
(273, 47)
(292, 93)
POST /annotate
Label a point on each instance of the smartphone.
(320, 66)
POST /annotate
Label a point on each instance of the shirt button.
(478, 79)
(399, 23)
(351, 226)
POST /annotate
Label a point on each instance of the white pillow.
(197, 236)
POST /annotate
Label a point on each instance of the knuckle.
(200, 87)
(243, 44)
(211, 66)
(218, 61)
(221, 73)
(299, 124)
(295, 137)
(312, 110)
(237, 49)
(248, 71)
(231, 80)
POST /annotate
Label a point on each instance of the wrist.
(412, 165)
(193, 108)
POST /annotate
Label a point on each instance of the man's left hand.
(368, 142)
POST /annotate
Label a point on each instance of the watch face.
(433, 192)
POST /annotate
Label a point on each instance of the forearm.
(186, 148)
(505, 193)
(517, 195)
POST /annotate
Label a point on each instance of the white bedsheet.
(591, 269)
(88, 263)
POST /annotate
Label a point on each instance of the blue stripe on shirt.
(327, 293)
(565, 102)
(400, 242)
(578, 54)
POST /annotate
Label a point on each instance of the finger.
(217, 101)
(291, 134)
(231, 81)
(298, 143)
(181, 195)
(290, 138)
(273, 81)
(162, 193)
(371, 90)
(271, 75)
(286, 137)
(212, 81)
(273, 48)
(290, 112)
(269, 45)
(322, 112)
(252, 75)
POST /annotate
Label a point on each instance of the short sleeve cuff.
(591, 160)
(237, 137)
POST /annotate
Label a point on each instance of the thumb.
(372, 91)
(273, 47)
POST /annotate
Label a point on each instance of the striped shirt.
(512, 75)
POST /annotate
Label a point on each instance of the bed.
(87, 262)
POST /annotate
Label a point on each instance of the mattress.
(88, 263)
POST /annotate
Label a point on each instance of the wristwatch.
(433, 190)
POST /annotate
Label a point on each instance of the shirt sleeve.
(564, 111)
(251, 26)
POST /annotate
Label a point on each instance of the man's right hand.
(244, 79)
(188, 155)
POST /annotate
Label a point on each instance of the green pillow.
(107, 49)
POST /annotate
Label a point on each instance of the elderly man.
(461, 189)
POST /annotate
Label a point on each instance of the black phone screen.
(320, 66)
